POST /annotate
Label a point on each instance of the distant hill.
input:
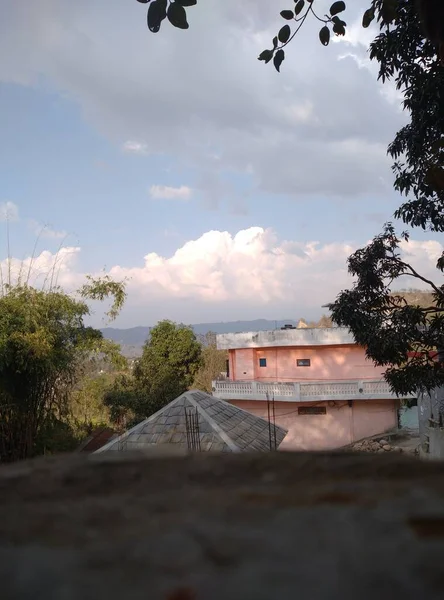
(132, 339)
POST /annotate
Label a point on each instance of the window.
(312, 410)
(303, 362)
(262, 362)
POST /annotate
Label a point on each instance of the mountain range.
(132, 339)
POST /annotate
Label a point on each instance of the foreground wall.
(223, 527)
(338, 424)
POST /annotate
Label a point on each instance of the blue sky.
(134, 144)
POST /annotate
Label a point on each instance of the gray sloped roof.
(222, 427)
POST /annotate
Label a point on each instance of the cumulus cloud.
(44, 270)
(321, 126)
(165, 192)
(221, 276)
(9, 211)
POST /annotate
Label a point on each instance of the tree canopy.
(44, 344)
(170, 361)
(214, 362)
(409, 49)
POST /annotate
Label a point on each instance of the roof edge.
(222, 434)
(136, 427)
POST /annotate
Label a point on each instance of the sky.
(216, 187)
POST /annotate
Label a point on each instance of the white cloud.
(164, 95)
(45, 269)
(132, 147)
(9, 211)
(170, 193)
(358, 36)
(46, 231)
(220, 276)
(426, 252)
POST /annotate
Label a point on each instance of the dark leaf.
(275, 42)
(266, 56)
(368, 17)
(287, 14)
(324, 35)
(187, 2)
(339, 28)
(337, 7)
(299, 6)
(278, 59)
(388, 10)
(284, 34)
(156, 14)
(339, 21)
(177, 16)
(143, 1)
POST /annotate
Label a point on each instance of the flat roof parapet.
(322, 336)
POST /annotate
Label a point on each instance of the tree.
(430, 13)
(174, 346)
(409, 50)
(325, 322)
(214, 362)
(87, 409)
(43, 344)
(169, 363)
(403, 337)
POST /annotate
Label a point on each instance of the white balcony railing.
(309, 391)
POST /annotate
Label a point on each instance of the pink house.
(327, 394)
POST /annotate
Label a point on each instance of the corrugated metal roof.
(222, 427)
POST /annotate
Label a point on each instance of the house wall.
(373, 417)
(341, 425)
(242, 364)
(326, 363)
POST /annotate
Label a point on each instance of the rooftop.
(97, 439)
(334, 336)
(222, 427)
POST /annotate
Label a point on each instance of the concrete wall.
(373, 417)
(436, 443)
(242, 365)
(341, 425)
(326, 363)
(431, 435)
(285, 337)
(408, 418)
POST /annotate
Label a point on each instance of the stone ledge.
(238, 527)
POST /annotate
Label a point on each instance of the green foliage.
(87, 408)
(123, 401)
(403, 336)
(389, 325)
(42, 337)
(171, 358)
(104, 287)
(213, 364)
(175, 346)
(56, 436)
(44, 345)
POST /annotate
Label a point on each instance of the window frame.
(312, 411)
(300, 361)
(262, 362)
